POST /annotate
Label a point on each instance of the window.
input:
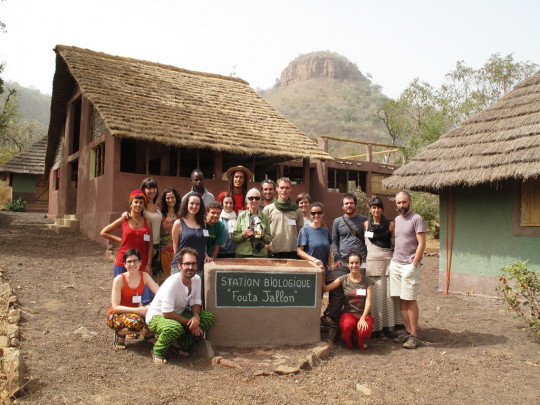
(530, 203)
(97, 161)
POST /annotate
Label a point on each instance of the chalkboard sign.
(244, 289)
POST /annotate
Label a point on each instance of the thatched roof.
(500, 142)
(29, 161)
(154, 102)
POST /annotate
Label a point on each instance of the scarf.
(285, 206)
(228, 215)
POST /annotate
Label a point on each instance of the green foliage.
(422, 114)
(521, 292)
(17, 206)
(427, 205)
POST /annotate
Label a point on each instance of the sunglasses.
(316, 213)
(254, 198)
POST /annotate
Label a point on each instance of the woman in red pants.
(355, 321)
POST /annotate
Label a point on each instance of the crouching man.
(168, 317)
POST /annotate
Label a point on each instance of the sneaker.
(411, 342)
(402, 337)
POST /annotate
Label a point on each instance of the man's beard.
(403, 210)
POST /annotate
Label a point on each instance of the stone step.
(68, 223)
(37, 207)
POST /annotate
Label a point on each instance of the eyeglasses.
(316, 213)
(132, 262)
(254, 198)
(190, 264)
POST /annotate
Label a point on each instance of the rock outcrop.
(320, 64)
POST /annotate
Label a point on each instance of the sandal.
(119, 342)
(157, 358)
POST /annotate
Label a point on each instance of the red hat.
(136, 193)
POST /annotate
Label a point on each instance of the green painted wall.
(24, 183)
(483, 240)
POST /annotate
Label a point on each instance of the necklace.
(171, 217)
(136, 220)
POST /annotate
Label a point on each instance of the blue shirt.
(316, 242)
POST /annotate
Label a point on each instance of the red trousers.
(348, 324)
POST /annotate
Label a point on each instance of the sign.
(244, 289)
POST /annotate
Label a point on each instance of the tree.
(422, 114)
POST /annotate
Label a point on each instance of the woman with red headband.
(136, 234)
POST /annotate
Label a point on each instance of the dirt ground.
(472, 352)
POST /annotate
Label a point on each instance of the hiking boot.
(402, 337)
(411, 342)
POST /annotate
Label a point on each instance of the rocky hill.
(323, 93)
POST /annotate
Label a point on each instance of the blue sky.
(394, 41)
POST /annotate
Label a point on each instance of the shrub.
(427, 205)
(521, 292)
(17, 206)
(362, 204)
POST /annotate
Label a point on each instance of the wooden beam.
(384, 145)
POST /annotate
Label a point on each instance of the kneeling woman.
(355, 321)
(126, 314)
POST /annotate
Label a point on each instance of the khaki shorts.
(404, 280)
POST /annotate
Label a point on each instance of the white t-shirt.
(173, 296)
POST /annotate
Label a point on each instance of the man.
(410, 231)
(167, 315)
(347, 235)
(268, 191)
(239, 177)
(286, 219)
(215, 228)
(197, 185)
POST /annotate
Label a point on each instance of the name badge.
(136, 299)
(292, 221)
(361, 292)
(205, 232)
(368, 234)
(147, 237)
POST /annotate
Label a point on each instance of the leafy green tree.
(422, 114)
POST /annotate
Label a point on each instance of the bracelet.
(197, 317)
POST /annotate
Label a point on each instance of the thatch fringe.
(500, 142)
(176, 107)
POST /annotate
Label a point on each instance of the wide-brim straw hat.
(249, 175)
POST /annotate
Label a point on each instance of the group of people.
(158, 273)
(381, 299)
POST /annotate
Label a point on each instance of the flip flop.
(119, 342)
(157, 358)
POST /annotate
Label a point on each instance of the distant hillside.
(323, 93)
(33, 105)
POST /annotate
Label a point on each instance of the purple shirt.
(406, 243)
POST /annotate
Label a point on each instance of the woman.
(304, 201)
(379, 233)
(136, 234)
(238, 177)
(151, 212)
(355, 321)
(314, 240)
(252, 230)
(228, 217)
(170, 204)
(190, 231)
(126, 315)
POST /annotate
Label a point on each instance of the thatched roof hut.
(501, 142)
(29, 161)
(172, 106)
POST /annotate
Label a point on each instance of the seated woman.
(252, 230)
(126, 314)
(355, 321)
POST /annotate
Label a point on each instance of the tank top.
(133, 239)
(193, 238)
(155, 220)
(127, 294)
(381, 232)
